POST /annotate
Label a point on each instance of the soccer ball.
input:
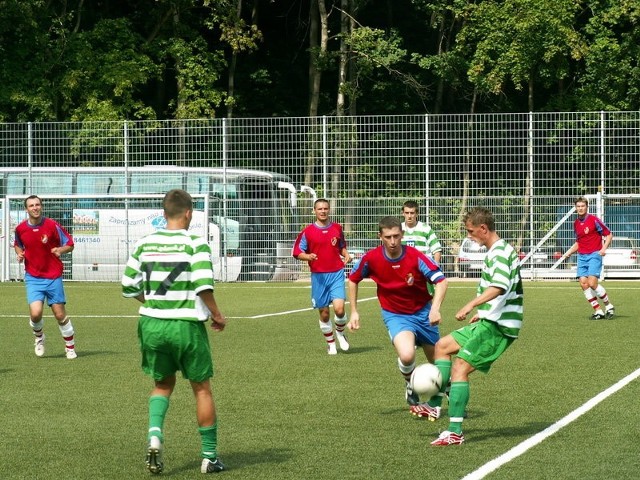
(426, 380)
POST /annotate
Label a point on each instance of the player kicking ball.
(410, 313)
(499, 304)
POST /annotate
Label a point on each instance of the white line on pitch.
(521, 448)
(277, 314)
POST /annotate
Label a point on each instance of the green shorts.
(171, 345)
(481, 344)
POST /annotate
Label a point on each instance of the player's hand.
(475, 318)
(463, 312)
(347, 259)
(56, 251)
(218, 322)
(435, 317)
(354, 322)
(20, 257)
(312, 257)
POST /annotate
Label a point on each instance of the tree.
(611, 76)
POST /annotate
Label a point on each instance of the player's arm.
(218, 322)
(437, 256)
(489, 294)
(19, 253)
(438, 297)
(57, 251)
(607, 242)
(346, 258)
(354, 316)
(573, 249)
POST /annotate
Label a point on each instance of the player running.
(409, 312)
(39, 243)
(322, 245)
(590, 232)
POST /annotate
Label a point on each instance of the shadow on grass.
(239, 460)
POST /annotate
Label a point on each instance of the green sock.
(158, 406)
(458, 399)
(445, 369)
(209, 439)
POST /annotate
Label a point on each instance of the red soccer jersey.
(37, 242)
(326, 242)
(402, 282)
(589, 231)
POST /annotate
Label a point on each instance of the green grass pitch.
(287, 410)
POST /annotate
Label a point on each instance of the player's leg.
(601, 293)
(197, 367)
(321, 299)
(444, 349)
(340, 320)
(159, 363)
(158, 407)
(56, 299)
(404, 343)
(35, 299)
(589, 267)
(207, 427)
(337, 295)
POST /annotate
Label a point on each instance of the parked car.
(471, 256)
(622, 253)
(544, 257)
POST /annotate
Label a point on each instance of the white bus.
(252, 220)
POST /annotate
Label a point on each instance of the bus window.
(149, 182)
(41, 184)
(98, 184)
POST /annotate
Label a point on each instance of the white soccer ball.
(426, 380)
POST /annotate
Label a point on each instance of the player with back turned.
(170, 273)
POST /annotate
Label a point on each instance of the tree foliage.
(147, 59)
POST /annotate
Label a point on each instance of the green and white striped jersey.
(421, 237)
(170, 267)
(502, 269)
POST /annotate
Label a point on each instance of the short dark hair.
(176, 202)
(389, 222)
(321, 200)
(410, 204)
(480, 216)
(31, 197)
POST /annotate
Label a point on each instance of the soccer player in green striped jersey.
(499, 304)
(419, 234)
(170, 273)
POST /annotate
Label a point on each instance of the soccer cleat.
(331, 348)
(342, 341)
(412, 397)
(599, 315)
(425, 410)
(39, 346)
(70, 353)
(610, 311)
(448, 438)
(211, 466)
(154, 455)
